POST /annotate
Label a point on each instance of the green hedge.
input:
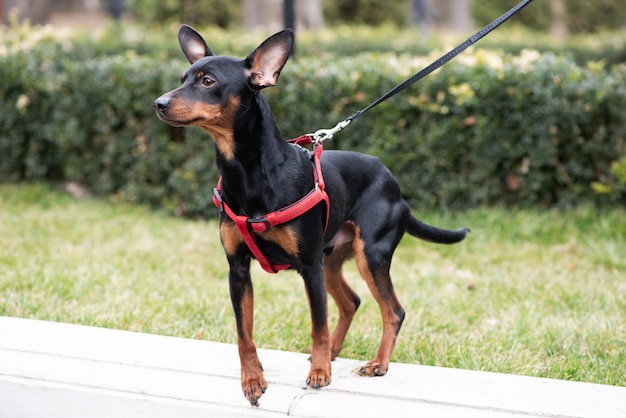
(579, 17)
(66, 118)
(488, 128)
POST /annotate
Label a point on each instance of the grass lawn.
(531, 292)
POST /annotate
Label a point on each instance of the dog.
(364, 216)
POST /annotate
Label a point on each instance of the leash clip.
(322, 135)
(217, 199)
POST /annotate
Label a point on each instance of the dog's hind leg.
(373, 254)
(347, 301)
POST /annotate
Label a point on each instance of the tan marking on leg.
(346, 300)
(381, 287)
(253, 382)
(320, 374)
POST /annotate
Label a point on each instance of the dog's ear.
(192, 44)
(266, 62)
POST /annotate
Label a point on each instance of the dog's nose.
(162, 103)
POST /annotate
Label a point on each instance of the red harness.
(248, 226)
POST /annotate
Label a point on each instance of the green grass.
(531, 292)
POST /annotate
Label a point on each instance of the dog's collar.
(248, 226)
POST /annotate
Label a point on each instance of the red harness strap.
(249, 226)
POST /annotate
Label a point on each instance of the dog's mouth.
(173, 122)
(165, 114)
(173, 114)
(178, 123)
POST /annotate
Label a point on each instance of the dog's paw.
(374, 368)
(318, 378)
(253, 387)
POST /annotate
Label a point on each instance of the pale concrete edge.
(416, 387)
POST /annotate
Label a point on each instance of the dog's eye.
(207, 81)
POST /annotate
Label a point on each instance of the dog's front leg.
(253, 383)
(320, 373)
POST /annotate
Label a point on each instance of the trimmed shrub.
(92, 121)
(485, 129)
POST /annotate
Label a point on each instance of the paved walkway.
(58, 370)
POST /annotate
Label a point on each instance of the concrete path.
(59, 370)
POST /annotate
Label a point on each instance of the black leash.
(324, 134)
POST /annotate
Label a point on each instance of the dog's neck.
(251, 176)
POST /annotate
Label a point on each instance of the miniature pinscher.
(261, 172)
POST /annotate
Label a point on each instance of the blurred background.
(534, 114)
(559, 17)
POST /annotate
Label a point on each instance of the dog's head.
(214, 85)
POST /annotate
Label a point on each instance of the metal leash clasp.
(322, 135)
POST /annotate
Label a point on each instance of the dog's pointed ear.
(192, 44)
(266, 62)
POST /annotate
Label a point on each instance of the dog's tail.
(431, 233)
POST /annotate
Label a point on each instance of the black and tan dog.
(261, 173)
